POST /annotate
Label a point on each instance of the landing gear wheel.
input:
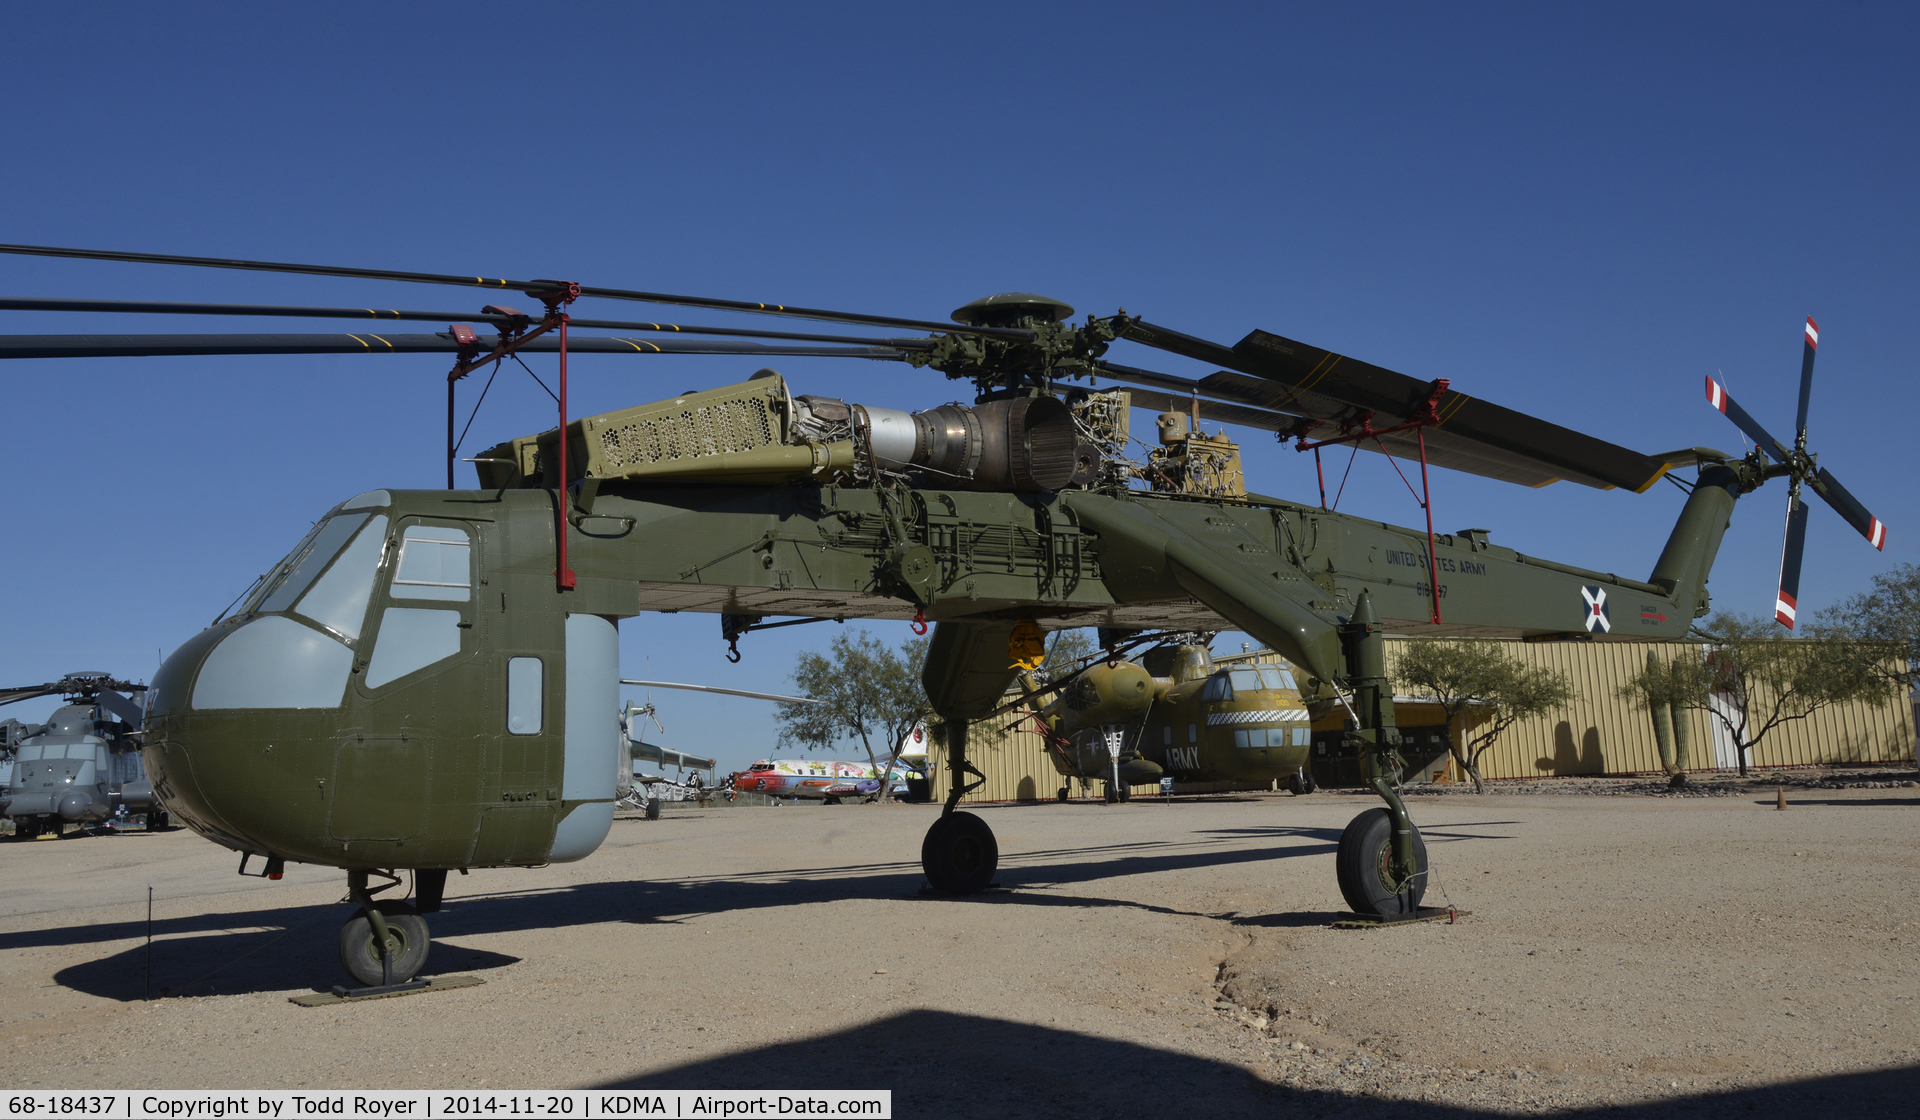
(653, 809)
(1061, 794)
(959, 854)
(1112, 796)
(360, 956)
(157, 821)
(1364, 867)
(1301, 784)
(1125, 794)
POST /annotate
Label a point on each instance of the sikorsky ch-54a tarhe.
(428, 681)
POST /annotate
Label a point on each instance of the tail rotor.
(1798, 465)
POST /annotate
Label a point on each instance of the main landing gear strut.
(1382, 862)
(959, 854)
(385, 945)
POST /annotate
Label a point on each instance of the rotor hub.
(1012, 309)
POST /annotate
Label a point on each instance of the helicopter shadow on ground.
(256, 960)
(233, 946)
(942, 1064)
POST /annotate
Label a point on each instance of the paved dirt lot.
(1660, 955)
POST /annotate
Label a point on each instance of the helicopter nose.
(76, 806)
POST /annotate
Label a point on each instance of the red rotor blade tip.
(1878, 537)
(1784, 609)
(1813, 333)
(1716, 396)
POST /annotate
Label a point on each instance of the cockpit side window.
(1277, 678)
(1245, 680)
(338, 600)
(435, 563)
(306, 564)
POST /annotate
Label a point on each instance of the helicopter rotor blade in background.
(31, 692)
(128, 711)
(1786, 605)
(727, 692)
(1719, 398)
(137, 307)
(178, 345)
(531, 287)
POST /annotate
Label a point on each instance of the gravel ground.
(1642, 954)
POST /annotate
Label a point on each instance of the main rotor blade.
(138, 307)
(1786, 604)
(727, 691)
(1849, 507)
(532, 287)
(1718, 397)
(1342, 393)
(31, 692)
(180, 345)
(1806, 375)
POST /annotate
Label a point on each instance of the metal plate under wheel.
(1424, 914)
(437, 984)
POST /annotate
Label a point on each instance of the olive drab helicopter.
(428, 681)
(1170, 714)
(83, 765)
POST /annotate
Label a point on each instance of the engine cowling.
(1023, 445)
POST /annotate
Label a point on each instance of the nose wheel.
(959, 854)
(385, 945)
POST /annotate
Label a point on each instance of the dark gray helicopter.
(83, 765)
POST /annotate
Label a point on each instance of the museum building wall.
(1598, 734)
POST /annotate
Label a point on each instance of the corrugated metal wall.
(1598, 734)
(1602, 734)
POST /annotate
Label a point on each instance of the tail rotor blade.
(1849, 507)
(1718, 397)
(1786, 604)
(1806, 375)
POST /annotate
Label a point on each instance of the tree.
(1463, 673)
(1890, 612)
(1753, 676)
(866, 692)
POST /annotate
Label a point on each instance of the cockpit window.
(1245, 680)
(434, 564)
(1277, 678)
(306, 563)
(338, 600)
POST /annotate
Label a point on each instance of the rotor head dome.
(1008, 308)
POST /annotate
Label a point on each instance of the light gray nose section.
(77, 806)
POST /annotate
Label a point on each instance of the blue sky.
(1578, 214)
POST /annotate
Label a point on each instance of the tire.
(1308, 785)
(1061, 794)
(1366, 847)
(959, 854)
(653, 808)
(157, 821)
(360, 957)
(1111, 795)
(1125, 794)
